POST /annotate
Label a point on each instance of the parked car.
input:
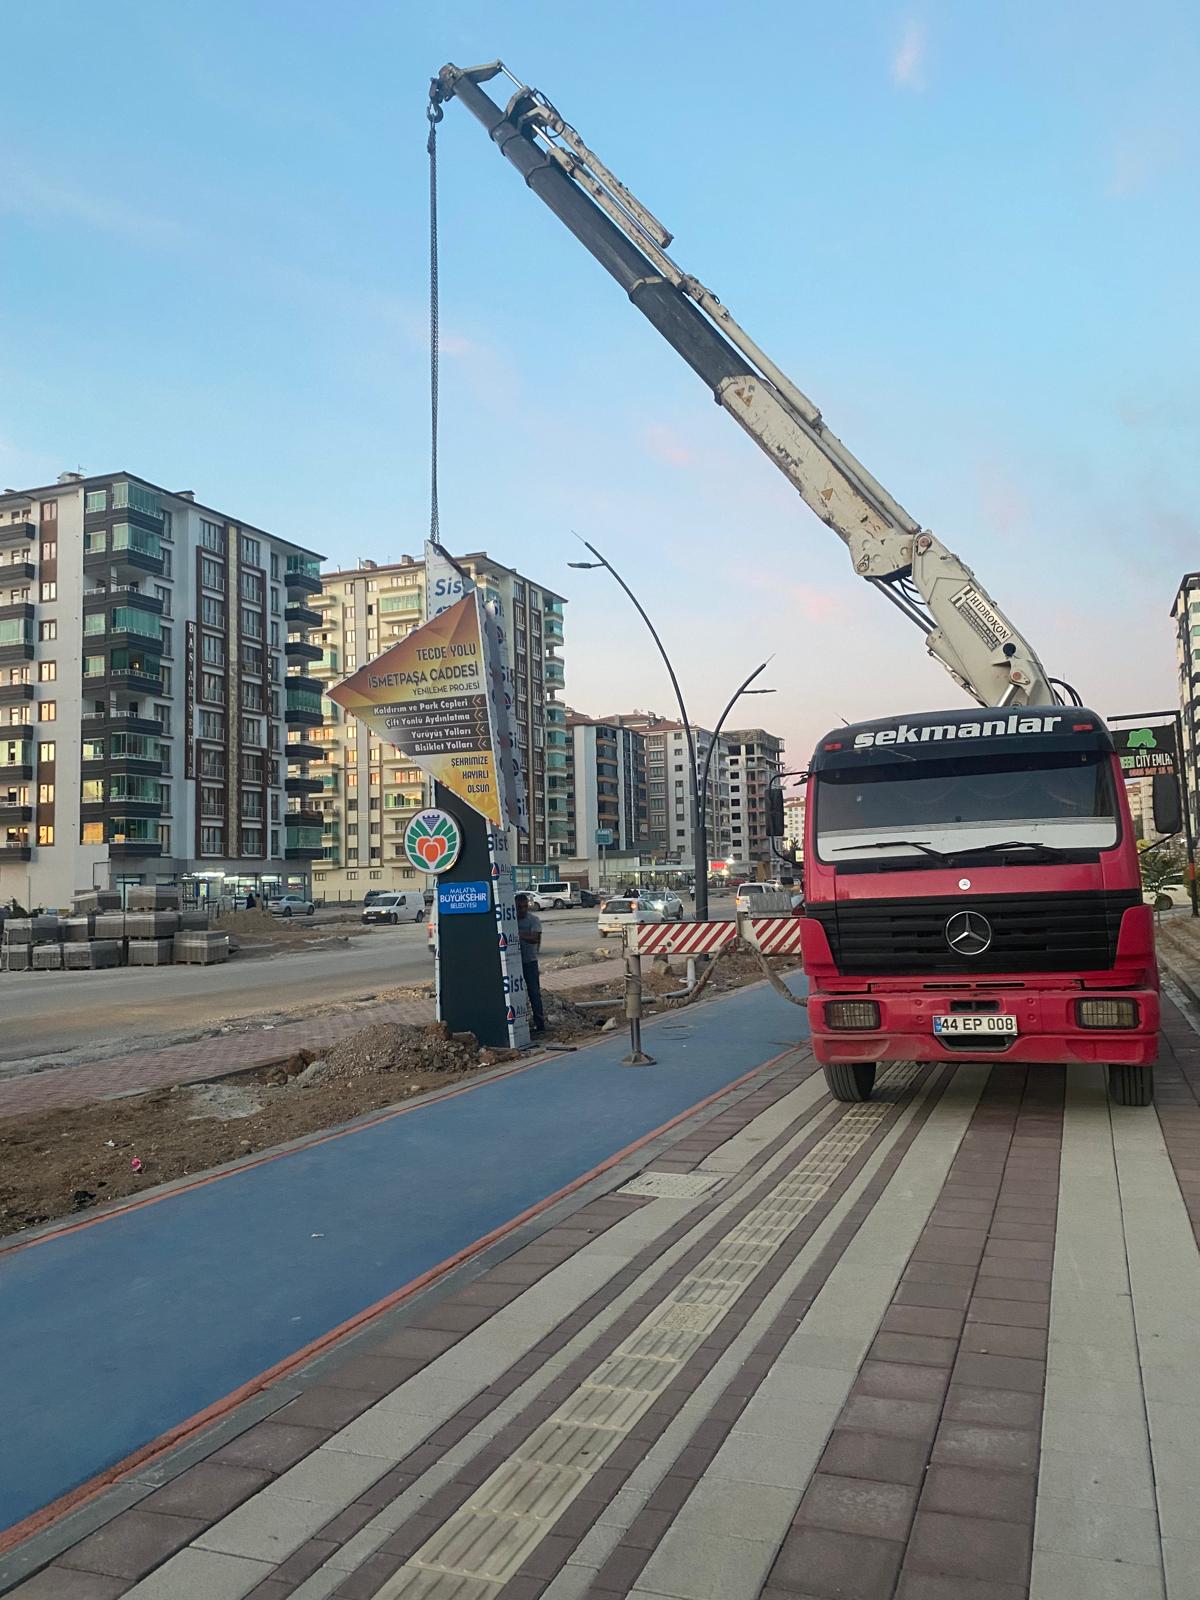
(291, 905)
(1171, 894)
(401, 905)
(588, 897)
(657, 905)
(553, 896)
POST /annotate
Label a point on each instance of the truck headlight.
(851, 1014)
(1106, 1013)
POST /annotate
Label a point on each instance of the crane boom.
(964, 628)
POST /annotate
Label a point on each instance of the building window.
(49, 590)
(274, 841)
(212, 841)
(211, 536)
(165, 674)
(92, 833)
(212, 800)
(49, 550)
(252, 730)
(252, 841)
(212, 649)
(163, 715)
(252, 623)
(212, 688)
(48, 711)
(95, 500)
(168, 563)
(47, 671)
(163, 592)
(251, 552)
(212, 725)
(252, 589)
(275, 634)
(212, 611)
(46, 833)
(45, 794)
(47, 750)
(212, 573)
(164, 634)
(48, 630)
(164, 838)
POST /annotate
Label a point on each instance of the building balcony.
(297, 750)
(552, 629)
(303, 576)
(12, 816)
(122, 594)
(124, 551)
(301, 681)
(17, 571)
(301, 816)
(121, 721)
(14, 852)
(18, 611)
(298, 649)
(297, 615)
(297, 716)
(12, 533)
(126, 849)
(554, 674)
(129, 681)
(304, 844)
(294, 784)
(12, 693)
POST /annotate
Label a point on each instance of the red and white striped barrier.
(774, 936)
(680, 938)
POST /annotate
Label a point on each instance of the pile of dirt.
(564, 1019)
(576, 958)
(389, 1047)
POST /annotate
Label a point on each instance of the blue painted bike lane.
(115, 1333)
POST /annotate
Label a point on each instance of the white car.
(291, 905)
(662, 905)
(402, 905)
(553, 896)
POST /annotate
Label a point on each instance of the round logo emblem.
(432, 841)
(968, 933)
(964, 883)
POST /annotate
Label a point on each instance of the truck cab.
(973, 892)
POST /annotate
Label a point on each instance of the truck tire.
(1131, 1086)
(851, 1080)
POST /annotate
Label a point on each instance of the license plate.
(969, 1022)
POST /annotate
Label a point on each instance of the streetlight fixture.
(699, 828)
(701, 850)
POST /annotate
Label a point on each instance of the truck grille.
(1030, 933)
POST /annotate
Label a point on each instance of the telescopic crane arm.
(964, 628)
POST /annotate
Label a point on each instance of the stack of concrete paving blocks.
(92, 954)
(78, 929)
(193, 921)
(48, 957)
(152, 897)
(156, 929)
(96, 900)
(151, 952)
(17, 947)
(201, 949)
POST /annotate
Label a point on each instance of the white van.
(553, 896)
(400, 905)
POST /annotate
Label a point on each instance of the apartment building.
(153, 694)
(1185, 609)
(606, 788)
(370, 789)
(754, 759)
(793, 819)
(668, 788)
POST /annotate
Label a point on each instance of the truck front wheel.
(1131, 1086)
(851, 1080)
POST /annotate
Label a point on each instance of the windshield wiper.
(1049, 850)
(888, 844)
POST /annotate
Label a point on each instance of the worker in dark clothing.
(529, 931)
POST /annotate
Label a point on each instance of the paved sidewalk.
(230, 1052)
(940, 1346)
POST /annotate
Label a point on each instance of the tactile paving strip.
(482, 1546)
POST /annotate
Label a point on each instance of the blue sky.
(970, 233)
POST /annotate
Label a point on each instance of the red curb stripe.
(87, 1491)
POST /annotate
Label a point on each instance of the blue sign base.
(457, 899)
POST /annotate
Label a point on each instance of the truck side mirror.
(1165, 803)
(775, 822)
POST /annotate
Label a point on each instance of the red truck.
(973, 892)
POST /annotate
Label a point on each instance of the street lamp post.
(702, 825)
(697, 784)
(683, 716)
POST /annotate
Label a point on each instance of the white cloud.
(908, 62)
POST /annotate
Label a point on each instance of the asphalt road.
(53, 1014)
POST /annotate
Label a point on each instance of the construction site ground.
(692, 1331)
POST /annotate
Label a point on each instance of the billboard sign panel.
(1146, 750)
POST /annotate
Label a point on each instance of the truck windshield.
(962, 803)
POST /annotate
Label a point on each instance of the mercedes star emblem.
(968, 933)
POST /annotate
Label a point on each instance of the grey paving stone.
(706, 1566)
